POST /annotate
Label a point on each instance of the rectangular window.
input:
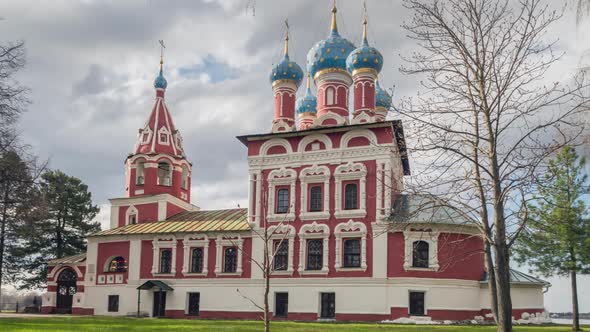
(352, 253)
(113, 303)
(281, 255)
(194, 300)
(351, 196)
(197, 260)
(166, 261)
(230, 260)
(328, 305)
(283, 200)
(315, 199)
(281, 304)
(417, 304)
(315, 254)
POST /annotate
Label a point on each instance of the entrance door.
(417, 303)
(66, 288)
(328, 305)
(159, 304)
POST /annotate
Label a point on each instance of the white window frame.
(330, 99)
(281, 177)
(429, 237)
(131, 210)
(228, 240)
(308, 176)
(285, 233)
(190, 242)
(310, 232)
(163, 243)
(350, 230)
(149, 136)
(164, 131)
(350, 172)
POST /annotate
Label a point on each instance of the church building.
(327, 185)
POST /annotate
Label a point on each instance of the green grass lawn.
(94, 324)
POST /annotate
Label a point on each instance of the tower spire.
(365, 42)
(162, 47)
(334, 26)
(286, 37)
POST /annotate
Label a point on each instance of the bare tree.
(13, 96)
(487, 120)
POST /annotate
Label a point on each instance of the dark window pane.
(417, 303)
(166, 261)
(352, 253)
(194, 300)
(281, 255)
(315, 254)
(350, 196)
(283, 201)
(281, 304)
(315, 199)
(113, 303)
(197, 260)
(328, 309)
(420, 254)
(230, 260)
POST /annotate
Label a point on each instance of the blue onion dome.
(365, 57)
(286, 70)
(307, 103)
(382, 98)
(330, 53)
(160, 82)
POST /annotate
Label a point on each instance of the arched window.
(352, 253)
(197, 260)
(139, 173)
(184, 183)
(283, 200)
(315, 254)
(164, 174)
(330, 96)
(166, 261)
(230, 260)
(351, 196)
(117, 264)
(315, 199)
(420, 254)
(281, 257)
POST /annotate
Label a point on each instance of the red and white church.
(327, 182)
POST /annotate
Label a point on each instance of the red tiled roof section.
(189, 222)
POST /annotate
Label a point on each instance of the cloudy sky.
(91, 65)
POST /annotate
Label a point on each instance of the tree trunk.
(504, 301)
(266, 311)
(575, 310)
(3, 232)
(492, 281)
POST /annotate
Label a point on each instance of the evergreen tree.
(557, 238)
(68, 218)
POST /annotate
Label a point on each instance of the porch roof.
(74, 259)
(155, 283)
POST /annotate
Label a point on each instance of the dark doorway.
(66, 288)
(328, 305)
(281, 304)
(159, 304)
(193, 303)
(417, 304)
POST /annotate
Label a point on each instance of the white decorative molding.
(346, 172)
(163, 243)
(275, 142)
(145, 139)
(362, 117)
(276, 178)
(312, 138)
(228, 240)
(310, 175)
(308, 232)
(340, 120)
(366, 133)
(282, 232)
(429, 237)
(350, 229)
(190, 242)
(164, 131)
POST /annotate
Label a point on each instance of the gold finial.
(286, 37)
(334, 11)
(308, 80)
(365, 22)
(162, 47)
